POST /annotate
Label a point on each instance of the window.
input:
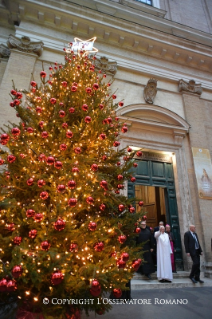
(149, 2)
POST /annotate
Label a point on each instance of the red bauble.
(50, 160)
(87, 119)
(121, 263)
(88, 90)
(69, 134)
(38, 110)
(117, 292)
(95, 285)
(4, 138)
(117, 118)
(17, 271)
(117, 191)
(64, 84)
(72, 202)
(30, 181)
(11, 158)
(136, 264)
(137, 230)
(102, 207)
(89, 200)
(73, 248)
(57, 277)
(58, 165)
(102, 136)
(10, 227)
(63, 147)
(99, 246)
(3, 285)
(120, 177)
(59, 224)
(125, 256)
(95, 86)
(72, 110)
(116, 134)
(71, 184)
(122, 239)
(92, 69)
(33, 83)
(84, 107)
(121, 207)
(16, 102)
(11, 285)
(101, 106)
(39, 99)
(44, 134)
(104, 185)
(75, 170)
(64, 125)
(43, 74)
(120, 186)
(13, 92)
(139, 153)
(41, 183)
(132, 209)
(114, 96)
(44, 195)
(61, 104)
(129, 150)
(109, 120)
(116, 143)
(104, 157)
(12, 104)
(74, 88)
(15, 131)
(113, 254)
(53, 100)
(61, 188)
(30, 213)
(22, 155)
(141, 203)
(33, 233)
(42, 157)
(118, 163)
(45, 245)
(1, 161)
(17, 240)
(94, 167)
(135, 164)
(38, 217)
(62, 113)
(133, 179)
(92, 226)
(121, 104)
(144, 217)
(77, 150)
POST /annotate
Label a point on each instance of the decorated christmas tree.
(66, 230)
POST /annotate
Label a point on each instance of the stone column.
(19, 68)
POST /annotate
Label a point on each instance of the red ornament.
(45, 245)
(4, 138)
(12, 104)
(121, 207)
(135, 164)
(11, 158)
(15, 131)
(50, 160)
(120, 177)
(121, 263)
(144, 217)
(53, 100)
(41, 183)
(39, 99)
(87, 119)
(124, 129)
(122, 239)
(95, 86)
(92, 69)
(44, 195)
(132, 209)
(73, 248)
(104, 157)
(88, 90)
(137, 230)
(125, 256)
(44, 134)
(58, 165)
(11, 285)
(57, 277)
(109, 120)
(61, 188)
(104, 185)
(63, 147)
(72, 202)
(89, 200)
(99, 246)
(16, 102)
(38, 217)
(43, 74)
(84, 107)
(72, 110)
(71, 184)
(129, 150)
(118, 163)
(94, 167)
(30, 181)
(117, 191)
(75, 170)
(120, 186)
(33, 233)
(10, 227)
(19, 95)
(30, 213)
(64, 84)
(139, 153)
(121, 104)
(69, 134)
(102, 136)
(95, 289)
(116, 143)
(136, 264)
(33, 83)
(74, 88)
(102, 207)
(42, 158)
(61, 104)
(13, 92)
(64, 125)
(101, 106)
(117, 292)
(77, 150)
(3, 285)
(92, 226)
(59, 224)
(141, 203)
(114, 96)
(62, 113)
(133, 179)
(17, 240)
(38, 110)
(17, 271)
(1, 161)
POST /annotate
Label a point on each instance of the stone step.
(179, 274)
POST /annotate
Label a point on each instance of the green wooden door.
(161, 174)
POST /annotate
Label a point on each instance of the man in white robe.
(164, 267)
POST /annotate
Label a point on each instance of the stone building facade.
(159, 55)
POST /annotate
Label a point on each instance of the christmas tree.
(66, 229)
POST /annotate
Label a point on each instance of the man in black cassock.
(145, 237)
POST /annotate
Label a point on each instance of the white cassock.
(164, 266)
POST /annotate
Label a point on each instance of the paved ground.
(197, 305)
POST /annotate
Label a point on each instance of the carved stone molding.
(190, 87)
(25, 44)
(107, 67)
(150, 91)
(4, 51)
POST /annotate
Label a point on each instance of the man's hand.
(188, 254)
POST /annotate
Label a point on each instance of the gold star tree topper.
(81, 45)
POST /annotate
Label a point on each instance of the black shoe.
(162, 280)
(167, 280)
(193, 280)
(200, 281)
(174, 272)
